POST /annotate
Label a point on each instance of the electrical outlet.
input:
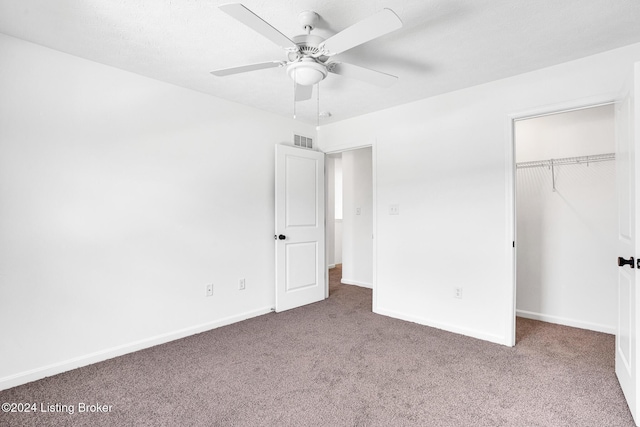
(457, 293)
(241, 284)
(358, 211)
(394, 209)
(209, 290)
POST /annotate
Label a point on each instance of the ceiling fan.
(309, 56)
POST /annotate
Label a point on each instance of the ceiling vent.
(302, 141)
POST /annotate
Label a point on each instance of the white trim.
(566, 322)
(497, 339)
(374, 218)
(99, 356)
(510, 233)
(356, 283)
(564, 107)
(347, 147)
(326, 206)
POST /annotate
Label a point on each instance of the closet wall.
(566, 238)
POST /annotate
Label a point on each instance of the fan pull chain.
(318, 105)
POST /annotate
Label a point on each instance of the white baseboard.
(356, 283)
(497, 339)
(99, 356)
(332, 266)
(566, 322)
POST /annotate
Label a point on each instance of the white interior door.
(300, 227)
(627, 188)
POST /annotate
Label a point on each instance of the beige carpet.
(335, 363)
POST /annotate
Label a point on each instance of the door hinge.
(513, 244)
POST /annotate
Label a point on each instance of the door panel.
(301, 266)
(627, 188)
(300, 227)
(300, 190)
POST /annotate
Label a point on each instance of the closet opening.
(566, 218)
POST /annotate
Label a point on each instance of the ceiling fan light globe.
(307, 76)
(307, 73)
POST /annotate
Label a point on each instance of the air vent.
(302, 141)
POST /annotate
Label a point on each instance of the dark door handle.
(282, 237)
(622, 262)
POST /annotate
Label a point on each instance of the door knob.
(282, 237)
(622, 262)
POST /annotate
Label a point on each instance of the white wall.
(338, 242)
(121, 198)
(357, 217)
(566, 240)
(330, 220)
(338, 185)
(575, 133)
(446, 162)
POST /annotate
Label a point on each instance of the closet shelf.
(552, 163)
(567, 161)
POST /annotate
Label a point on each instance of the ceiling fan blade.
(253, 21)
(303, 92)
(245, 68)
(369, 28)
(365, 74)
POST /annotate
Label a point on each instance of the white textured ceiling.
(444, 45)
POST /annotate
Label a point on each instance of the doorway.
(350, 215)
(566, 218)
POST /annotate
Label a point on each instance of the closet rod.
(567, 161)
(552, 163)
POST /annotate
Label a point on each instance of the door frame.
(510, 171)
(374, 215)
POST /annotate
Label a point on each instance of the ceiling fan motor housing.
(308, 45)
